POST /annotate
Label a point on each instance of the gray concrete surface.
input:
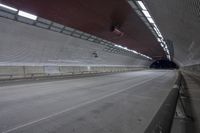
(26, 45)
(117, 103)
(191, 104)
(178, 21)
(195, 69)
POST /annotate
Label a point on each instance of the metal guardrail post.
(163, 119)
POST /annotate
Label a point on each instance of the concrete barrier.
(52, 70)
(9, 72)
(66, 70)
(193, 69)
(13, 72)
(32, 71)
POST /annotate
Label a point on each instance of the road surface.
(115, 103)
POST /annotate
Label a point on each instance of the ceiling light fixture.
(27, 15)
(150, 20)
(156, 30)
(133, 51)
(158, 39)
(141, 5)
(146, 13)
(8, 7)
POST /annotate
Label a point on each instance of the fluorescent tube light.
(142, 5)
(158, 39)
(146, 13)
(168, 56)
(8, 7)
(150, 20)
(27, 15)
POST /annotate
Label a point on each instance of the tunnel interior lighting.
(146, 13)
(133, 51)
(142, 5)
(167, 51)
(27, 15)
(150, 20)
(158, 32)
(159, 40)
(168, 56)
(155, 30)
(8, 7)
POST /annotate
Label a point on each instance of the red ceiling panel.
(97, 17)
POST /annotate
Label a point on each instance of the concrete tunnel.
(99, 66)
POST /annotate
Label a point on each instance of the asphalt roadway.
(115, 103)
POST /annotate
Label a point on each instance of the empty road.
(115, 103)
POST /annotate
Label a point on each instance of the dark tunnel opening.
(164, 64)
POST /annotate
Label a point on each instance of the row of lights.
(151, 21)
(19, 12)
(34, 17)
(133, 51)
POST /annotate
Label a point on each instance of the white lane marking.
(75, 107)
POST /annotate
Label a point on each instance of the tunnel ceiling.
(97, 17)
(179, 21)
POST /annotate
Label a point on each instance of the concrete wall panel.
(8, 72)
(33, 69)
(29, 51)
(178, 21)
(11, 70)
(26, 45)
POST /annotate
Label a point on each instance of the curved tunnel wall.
(26, 49)
(179, 22)
(23, 44)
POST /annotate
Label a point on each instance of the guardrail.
(162, 121)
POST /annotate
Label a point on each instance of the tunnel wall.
(22, 44)
(178, 21)
(192, 69)
(29, 50)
